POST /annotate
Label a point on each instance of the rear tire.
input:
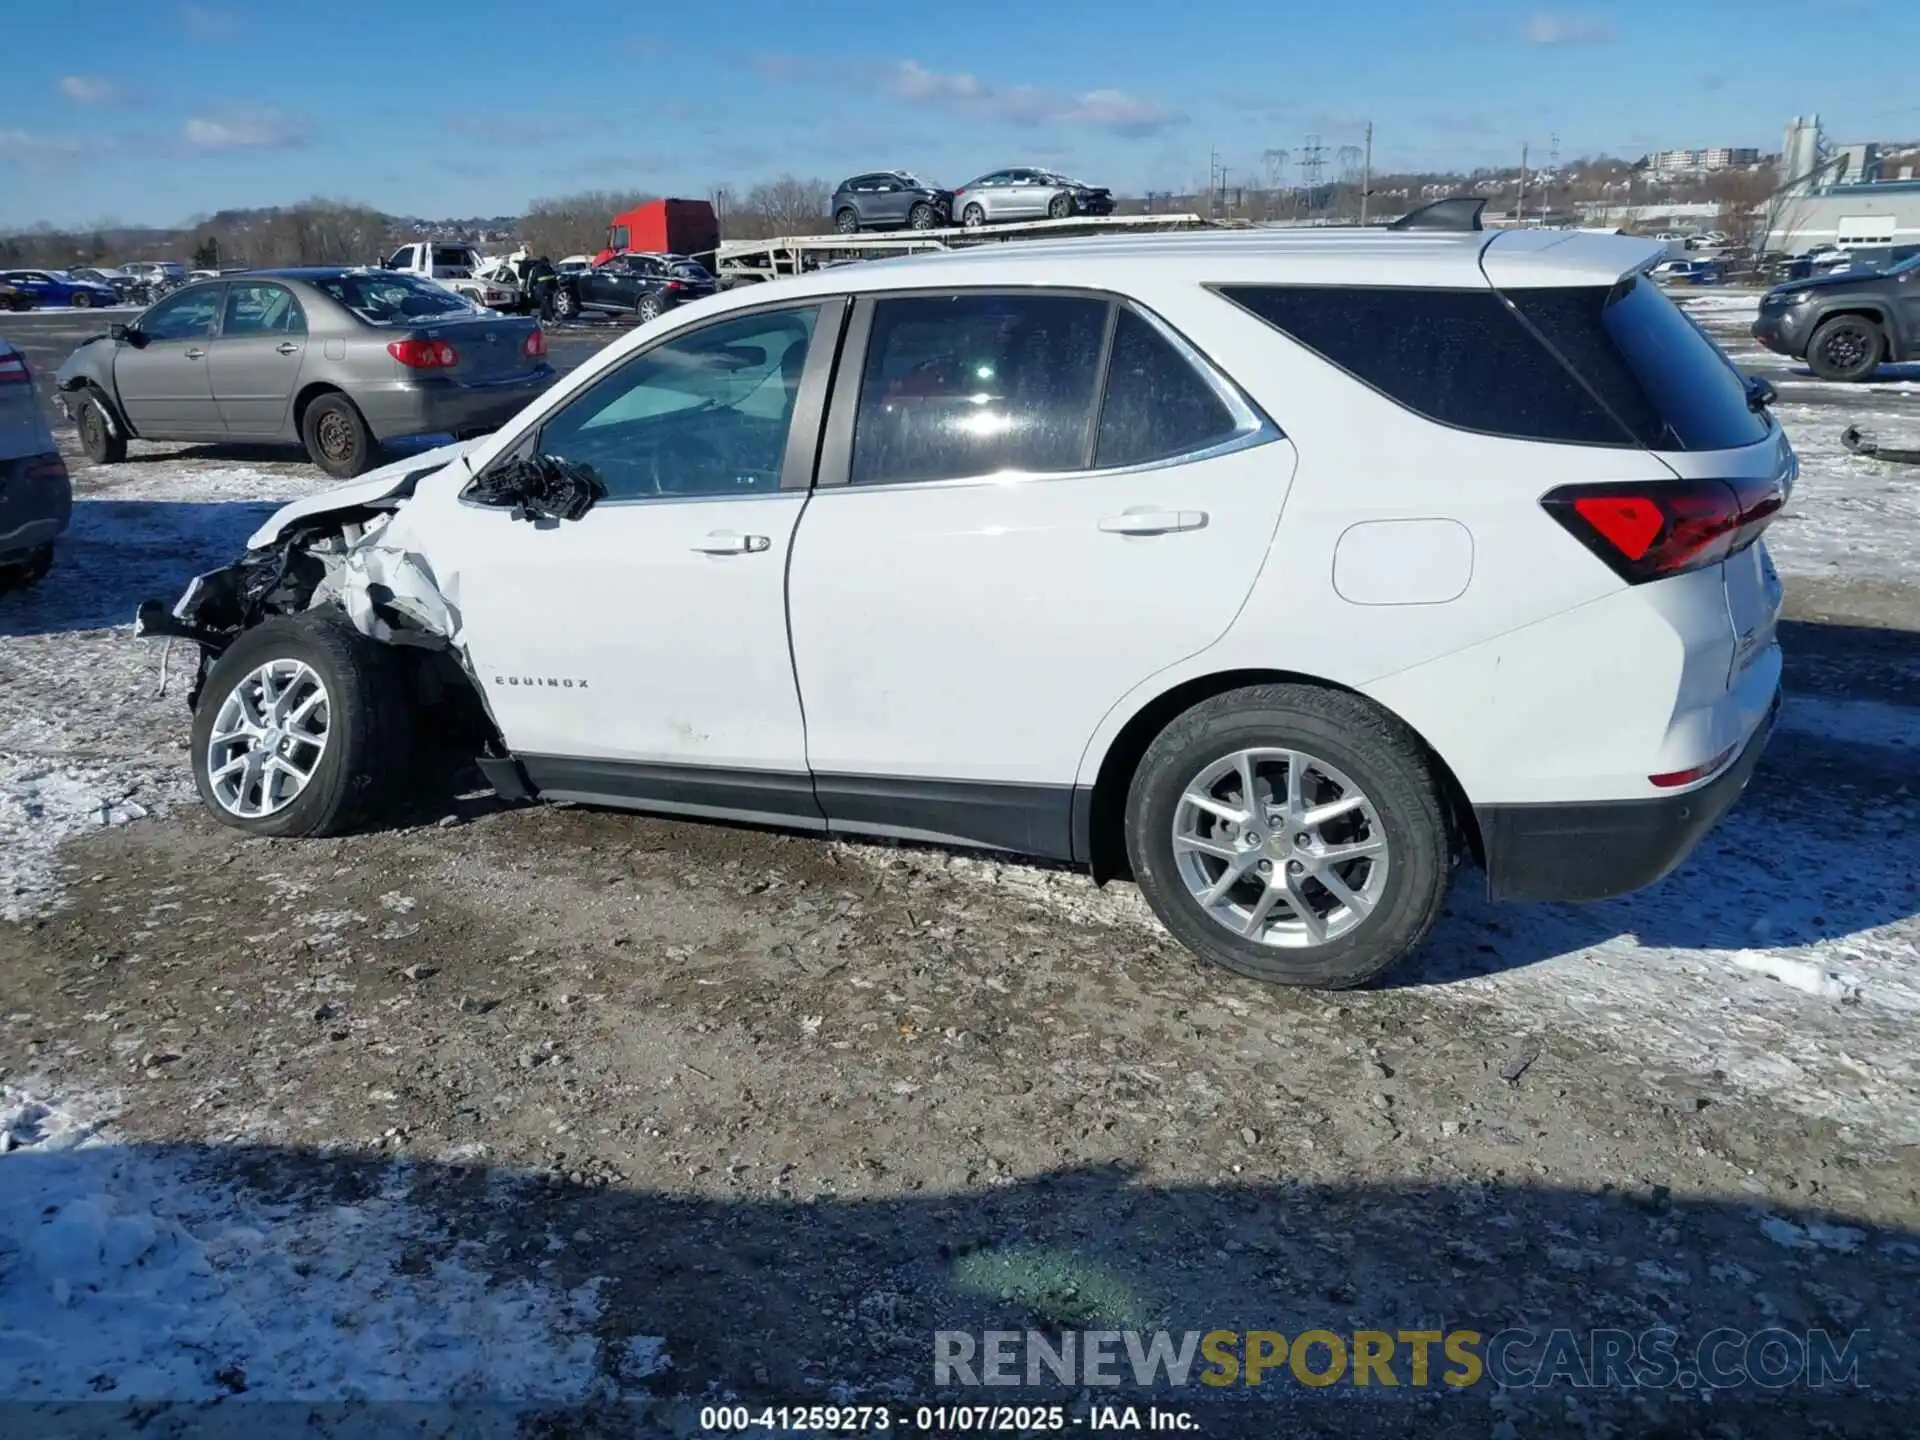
(103, 442)
(846, 220)
(365, 724)
(973, 217)
(1847, 348)
(1344, 747)
(336, 437)
(82, 300)
(27, 573)
(648, 309)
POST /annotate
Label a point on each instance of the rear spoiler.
(1456, 213)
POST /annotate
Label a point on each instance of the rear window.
(689, 270)
(387, 298)
(444, 255)
(1646, 375)
(1650, 364)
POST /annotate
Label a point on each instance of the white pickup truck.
(458, 268)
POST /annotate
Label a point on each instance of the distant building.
(1686, 162)
(1846, 198)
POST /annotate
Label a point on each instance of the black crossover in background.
(642, 285)
(889, 199)
(1845, 326)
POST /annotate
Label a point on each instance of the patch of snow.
(143, 1273)
(1799, 975)
(1814, 1235)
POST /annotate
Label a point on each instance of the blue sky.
(152, 111)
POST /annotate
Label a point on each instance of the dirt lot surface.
(781, 1109)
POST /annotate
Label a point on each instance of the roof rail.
(1456, 212)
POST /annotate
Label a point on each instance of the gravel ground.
(782, 1109)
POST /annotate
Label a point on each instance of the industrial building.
(1850, 197)
(1721, 157)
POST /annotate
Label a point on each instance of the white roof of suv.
(1524, 258)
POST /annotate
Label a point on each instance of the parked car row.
(900, 199)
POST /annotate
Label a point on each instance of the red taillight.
(675, 285)
(13, 370)
(536, 343)
(1661, 528)
(46, 467)
(1673, 779)
(424, 354)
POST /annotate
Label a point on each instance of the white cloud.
(258, 129)
(1567, 27)
(1112, 110)
(89, 90)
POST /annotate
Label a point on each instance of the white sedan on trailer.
(1280, 571)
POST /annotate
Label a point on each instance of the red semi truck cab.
(664, 227)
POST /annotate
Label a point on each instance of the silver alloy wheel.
(268, 738)
(1280, 847)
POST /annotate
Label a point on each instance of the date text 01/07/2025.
(942, 1419)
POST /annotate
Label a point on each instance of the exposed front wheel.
(301, 729)
(100, 439)
(1847, 347)
(1291, 834)
(921, 217)
(336, 437)
(565, 307)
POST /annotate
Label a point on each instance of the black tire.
(82, 300)
(973, 217)
(1380, 756)
(368, 731)
(103, 441)
(1846, 348)
(922, 217)
(27, 573)
(565, 305)
(846, 220)
(336, 437)
(648, 309)
(1060, 206)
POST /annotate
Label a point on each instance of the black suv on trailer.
(886, 199)
(1845, 326)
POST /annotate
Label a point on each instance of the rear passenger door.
(1028, 503)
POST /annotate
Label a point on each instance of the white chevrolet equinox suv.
(1280, 572)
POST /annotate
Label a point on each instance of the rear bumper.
(32, 512)
(1613, 847)
(433, 405)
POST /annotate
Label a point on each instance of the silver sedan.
(336, 360)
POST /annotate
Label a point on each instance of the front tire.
(101, 441)
(847, 220)
(1060, 207)
(336, 437)
(921, 217)
(1847, 348)
(565, 306)
(82, 300)
(1338, 868)
(302, 728)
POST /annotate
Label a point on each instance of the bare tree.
(787, 205)
(575, 224)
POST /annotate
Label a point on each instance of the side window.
(706, 413)
(401, 259)
(1157, 405)
(970, 385)
(261, 310)
(183, 317)
(618, 238)
(1460, 357)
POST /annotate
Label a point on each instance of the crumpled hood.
(389, 482)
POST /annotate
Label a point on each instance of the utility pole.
(1310, 168)
(1522, 207)
(1366, 175)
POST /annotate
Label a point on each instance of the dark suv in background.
(641, 285)
(1845, 326)
(889, 199)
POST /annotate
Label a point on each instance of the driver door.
(639, 655)
(164, 383)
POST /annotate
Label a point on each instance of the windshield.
(387, 298)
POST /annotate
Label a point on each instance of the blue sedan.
(57, 287)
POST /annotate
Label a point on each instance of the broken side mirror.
(540, 488)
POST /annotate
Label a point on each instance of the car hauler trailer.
(739, 262)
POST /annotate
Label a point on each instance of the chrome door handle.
(731, 542)
(287, 347)
(1154, 522)
(196, 354)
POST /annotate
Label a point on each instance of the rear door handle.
(287, 347)
(196, 354)
(731, 542)
(1154, 522)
